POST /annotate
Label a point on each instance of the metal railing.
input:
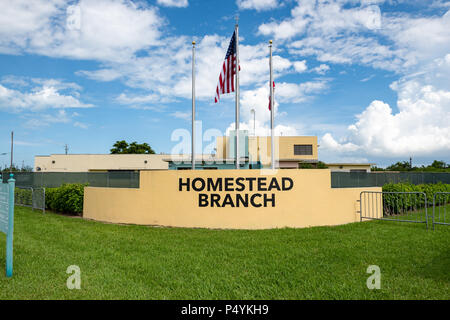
(394, 206)
(441, 208)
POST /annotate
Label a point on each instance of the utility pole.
(12, 149)
(66, 148)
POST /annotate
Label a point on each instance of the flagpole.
(193, 106)
(272, 108)
(237, 93)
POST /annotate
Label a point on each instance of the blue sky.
(370, 78)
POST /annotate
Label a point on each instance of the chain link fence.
(113, 179)
(379, 179)
(30, 197)
(130, 179)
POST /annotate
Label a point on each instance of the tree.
(119, 147)
(400, 166)
(15, 168)
(321, 165)
(439, 164)
(122, 147)
(436, 166)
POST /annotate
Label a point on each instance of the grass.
(138, 262)
(442, 215)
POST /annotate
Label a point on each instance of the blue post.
(9, 236)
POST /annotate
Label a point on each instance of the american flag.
(226, 78)
(273, 94)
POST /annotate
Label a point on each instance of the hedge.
(66, 199)
(23, 196)
(395, 203)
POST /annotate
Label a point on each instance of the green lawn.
(442, 215)
(137, 262)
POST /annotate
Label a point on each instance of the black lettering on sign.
(250, 183)
(214, 187)
(195, 185)
(252, 200)
(243, 200)
(287, 181)
(241, 186)
(274, 185)
(229, 184)
(203, 200)
(228, 201)
(215, 199)
(238, 188)
(181, 184)
(262, 184)
(267, 199)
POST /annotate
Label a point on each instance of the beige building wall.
(158, 201)
(99, 162)
(259, 148)
(348, 167)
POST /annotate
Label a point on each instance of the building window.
(303, 150)
(358, 170)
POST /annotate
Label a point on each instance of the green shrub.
(393, 203)
(67, 199)
(49, 197)
(23, 196)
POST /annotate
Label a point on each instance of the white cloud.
(340, 32)
(258, 5)
(100, 75)
(181, 115)
(328, 142)
(166, 72)
(300, 66)
(350, 32)
(420, 127)
(141, 99)
(173, 3)
(416, 47)
(322, 69)
(258, 100)
(80, 125)
(44, 120)
(106, 30)
(326, 17)
(48, 96)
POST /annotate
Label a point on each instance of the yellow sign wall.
(237, 199)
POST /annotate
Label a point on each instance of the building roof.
(350, 164)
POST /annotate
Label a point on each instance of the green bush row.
(23, 196)
(68, 198)
(396, 203)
